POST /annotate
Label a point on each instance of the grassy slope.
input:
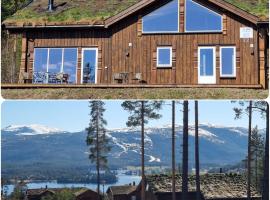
(138, 93)
(256, 7)
(83, 10)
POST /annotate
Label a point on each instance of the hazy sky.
(74, 115)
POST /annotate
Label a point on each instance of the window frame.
(164, 32)
(164, 65)
(234, 62)
(62, 64)
(82, 59)
(202, 31)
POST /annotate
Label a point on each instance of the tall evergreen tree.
(238, 114)
(197, 153)
(173, 151)
(265, 193)
(140, 114)
(185, 152)
(96, 138)
(257, 151)
(263, 108)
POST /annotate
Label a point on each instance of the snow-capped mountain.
(24, 145)
(33, 129)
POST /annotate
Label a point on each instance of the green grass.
(73, 11)
(135, 93)
(256, 7)
(98, 10)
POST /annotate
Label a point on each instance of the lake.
(122, 180)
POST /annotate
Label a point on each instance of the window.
(164, 57)
(70, 64)
(55, 61)
(207, 65)
(163, 20)
(49, 62)
(227, 61)
(89, 65)
(41, 60)
(201, 19)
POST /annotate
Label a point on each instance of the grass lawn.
(135, 93)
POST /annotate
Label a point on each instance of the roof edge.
(221, 3)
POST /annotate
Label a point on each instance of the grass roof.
(94, 12)
(70, 11)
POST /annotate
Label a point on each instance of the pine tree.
(140, 114)
(238, 114)
(261, 107)
(173, 151)
(185, 152)
(96, 138)
(257, 151)
(197, 158)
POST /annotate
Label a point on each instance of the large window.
(164, 57)
(227, 61)
(55, 65)
(201, 19)
(163, 20)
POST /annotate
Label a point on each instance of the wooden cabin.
(38, 194)
(152, 42)
(79, 193)
(86, 194)
(125, 192)
(213, 187)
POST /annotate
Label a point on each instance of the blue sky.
(74, 115)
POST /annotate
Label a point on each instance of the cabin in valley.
(125, 192)
(163, 43)
(213, 187)
(78, 193)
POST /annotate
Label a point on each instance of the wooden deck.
(102, 86)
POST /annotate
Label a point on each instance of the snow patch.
(153, 159)
(34, 129)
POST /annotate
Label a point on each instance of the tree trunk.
(173, 151)
(98, 173)
(265, 194)
(249, 151)
(142, 151)
(197, 153)
(256, 167)
(185, 152)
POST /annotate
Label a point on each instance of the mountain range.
(24, 145)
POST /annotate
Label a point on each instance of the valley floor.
(135, 93)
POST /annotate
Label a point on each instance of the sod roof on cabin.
(94, 12)
(213, 186)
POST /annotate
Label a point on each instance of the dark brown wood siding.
(124, 48)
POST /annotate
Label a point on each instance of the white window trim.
(96, 67)
(207, 79)
(164, 65)
(157, 32)
(48, 58)
(234, 62)
(202, 31)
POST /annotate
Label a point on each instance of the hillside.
(27, 145)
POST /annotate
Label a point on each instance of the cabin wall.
(73, 38)
(142, 54)
(123, 48)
